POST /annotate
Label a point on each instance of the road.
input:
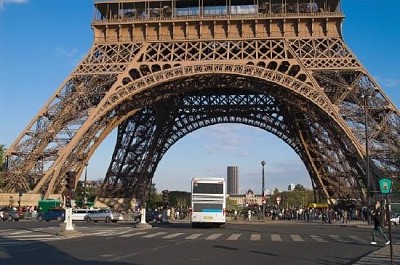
(29, 242)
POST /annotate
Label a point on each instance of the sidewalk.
(381, 256)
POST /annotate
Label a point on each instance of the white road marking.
(154, 235)
(234, 237)
(297, 238)
(213, 236)
(194, 236)
(255, 237)
(276, 237)
(173, 235)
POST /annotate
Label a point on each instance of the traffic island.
(68, 232)
(143, 225)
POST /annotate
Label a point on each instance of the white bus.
(208, 202)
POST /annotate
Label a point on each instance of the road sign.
(385, 185)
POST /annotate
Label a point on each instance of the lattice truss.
(308, 92)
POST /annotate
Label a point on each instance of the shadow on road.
(39, 253)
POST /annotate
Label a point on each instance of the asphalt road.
(29, 242)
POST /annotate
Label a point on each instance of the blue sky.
(42, 41)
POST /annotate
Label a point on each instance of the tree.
(2, 151)
(299, 187)
(179, 198)
(299, 197)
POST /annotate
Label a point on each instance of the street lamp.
(263, 188)
(366, 96)
(85, 189)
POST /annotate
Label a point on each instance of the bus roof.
(207, 179)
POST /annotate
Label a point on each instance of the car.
(9, 214)
(80, 214)
(2, 209)
(52, 214)
(105, 215)
(395, 220)
(151, 217)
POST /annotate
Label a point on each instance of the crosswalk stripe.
(19, 232)
(318, 238)
(154, 235)
(3, 231)
(134, 234)
(173, 235)
(276, 237)
(213, 236)
(123, 232)
(28, 236)
(37, 239)
(356, 238)
(297, 238)
(194, 236)
(100, 233)
(338, 238)
(255, 237)
(234, 237)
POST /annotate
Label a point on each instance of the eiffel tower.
(161, 69)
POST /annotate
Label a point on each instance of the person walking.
(376, 218)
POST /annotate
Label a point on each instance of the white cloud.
(225, 139)
(391, 83)
(3, 2)
(67, 53)
(387, 82)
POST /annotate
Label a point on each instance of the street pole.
(365, 96)
(85, 189)
(263, 188)
(390, 229)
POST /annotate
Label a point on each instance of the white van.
(79, 214)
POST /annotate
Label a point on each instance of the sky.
(43, 41)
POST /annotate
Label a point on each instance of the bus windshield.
(208, 188)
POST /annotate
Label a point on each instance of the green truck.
(47, 204)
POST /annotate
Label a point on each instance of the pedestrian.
(376, 218)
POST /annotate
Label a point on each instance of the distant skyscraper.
(233, 180)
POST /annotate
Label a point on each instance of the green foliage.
(154, 200)
(91, 191)
(179, 198)
(296, 198)
(299, 197)
(299, 187)
(175, 199)
(231, 205)
(2, 151)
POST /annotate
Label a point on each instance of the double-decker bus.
(208, 202)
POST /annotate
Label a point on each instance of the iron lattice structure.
(159, 70)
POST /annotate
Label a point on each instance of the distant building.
(247, 200)
(233, 180)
